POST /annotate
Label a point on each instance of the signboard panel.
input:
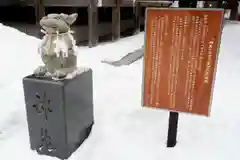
(181, 49)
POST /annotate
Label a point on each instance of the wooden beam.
(137, 15)
(160, 3)
(93, 23)
(116, 21)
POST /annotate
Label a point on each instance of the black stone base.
(59, 113)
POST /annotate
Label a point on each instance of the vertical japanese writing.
(161, 29)
(171, 64)
(204, 26)
(153, 56)
(209, 61)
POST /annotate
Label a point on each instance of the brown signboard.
(181, 50)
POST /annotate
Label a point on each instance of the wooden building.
(97, 18)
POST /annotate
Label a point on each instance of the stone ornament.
(58, 47)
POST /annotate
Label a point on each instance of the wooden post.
(233, 6)
(74, 10)
(184, 3)
(116, 21)
(92, 23)
(39, 13)
(187, 3)
(137, 15)
(193, 4)
(39, 10)
(219, 3)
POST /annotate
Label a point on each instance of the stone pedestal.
(59, 113)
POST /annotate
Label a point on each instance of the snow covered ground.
(124, 130)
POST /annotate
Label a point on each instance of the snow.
(123, 129)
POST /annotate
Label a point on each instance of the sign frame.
(221, 26)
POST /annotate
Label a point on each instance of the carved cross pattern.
(43, 105)
(46, 144)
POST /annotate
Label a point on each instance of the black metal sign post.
(172, 129)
